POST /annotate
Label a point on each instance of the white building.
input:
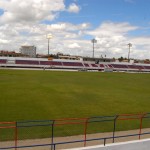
(28, 50)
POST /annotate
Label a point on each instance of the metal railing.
(20, 131)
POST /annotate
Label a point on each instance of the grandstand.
(43, 63)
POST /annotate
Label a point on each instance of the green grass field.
(40, 95)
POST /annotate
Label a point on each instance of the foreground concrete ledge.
(131, 145)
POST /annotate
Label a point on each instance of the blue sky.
(136, 11)
(73, 23)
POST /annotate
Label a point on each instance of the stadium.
(74, 75)
(85, 120)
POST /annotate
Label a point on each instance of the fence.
(54, 134)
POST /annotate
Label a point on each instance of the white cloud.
(141, 40)
(73, 8)
(3, 41)
(66, 26)
(74, 45)
(30, 10)
(109, 28)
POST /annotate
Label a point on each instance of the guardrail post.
(104, 141)
(85, 130)
(114, 130)
(52, 141)
(141, 122)
(16, 135)
(54, 146)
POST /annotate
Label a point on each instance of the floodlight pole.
(49, 36)
(93, 41)
(130, 45)
(48, 46)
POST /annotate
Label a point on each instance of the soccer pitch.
(40, 95)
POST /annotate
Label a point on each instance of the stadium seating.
(51, 63)
(28, 62)
(110, 66)
(140, 67)
(45, 63)
(132, 66)
(146, 67)
(119, 66)
(102, 65)
(56, 63)
(3, 61)
(94, 65)
(73, 64)
(135, 67)
(86, 65)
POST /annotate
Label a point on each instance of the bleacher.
(86, 65)
(27, 62)
(45, 63)
(72, 64)
(50, 63)
(94, 65)
(137, 67)
(101, 65)
(56, 63)
(110, 66)
(146, 67)
(62, 64)
(119, 66)
(140, 67)
(132, 66)
(3, 61)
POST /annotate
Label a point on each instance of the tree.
(121, 59)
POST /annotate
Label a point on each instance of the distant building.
(28, 50)
(97, 60)
(6, 53)
(69, 57)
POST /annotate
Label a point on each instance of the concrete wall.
(132, 145)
